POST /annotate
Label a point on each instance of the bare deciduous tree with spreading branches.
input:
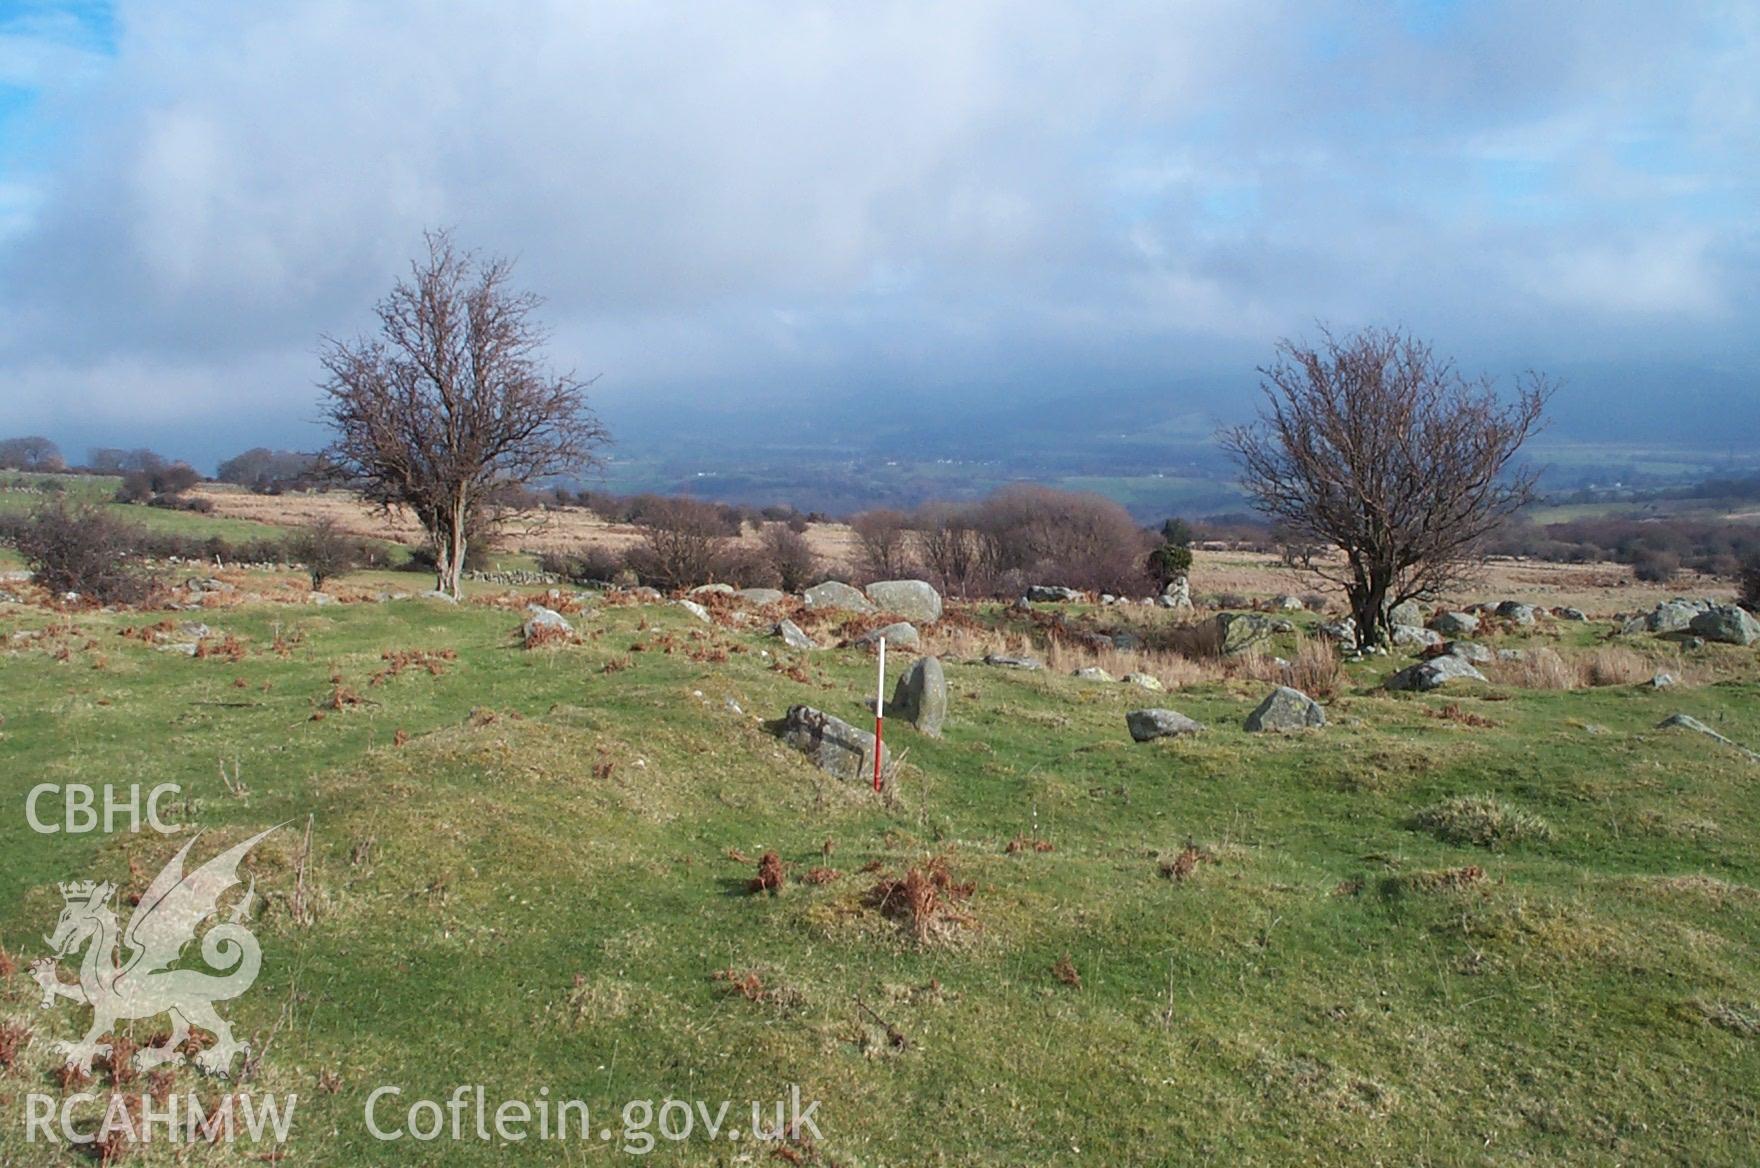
(1374, 446)
(450, 403)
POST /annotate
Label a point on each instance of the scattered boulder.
(921, 695)
(1512, 654)
(1471, 651)
(1455, 624)
(712, 590)
(833, 745)
(539, 619)
(1092, 673)
(1288, 603)
(695, 610)
(1127, 642)
(1177, 594)
(792, 636)
(1013, 662)
(1728, 624)
(1147, 725)
(899, 635)
(1570, 614)
(1146, 681)
(1344, 631)
(1671, 616)
(1415, 635)
(1688, 722)
(836, 594)
(1515, 610)
(195, 630)
(1285, 708)
(915, 600)
(1433, 673)
(1236, 632)
(1661, 680)
(1406, 612)
(761, 596)
(436, 594)
(1052, 594)
(187, 648)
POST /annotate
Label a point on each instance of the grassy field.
(527, 871)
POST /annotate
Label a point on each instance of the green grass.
(538, 896)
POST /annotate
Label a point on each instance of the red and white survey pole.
(879, 710)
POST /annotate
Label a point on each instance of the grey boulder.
(833, 745)
(1052, 594)
(1147, 725)
(1455, 624)
(915, 600)
(540, 619)
(761, 596)
(836, 594)
(921, 695)
(899, 635)
(793, 637)
(1285, 708)
(1727, 624)
(1434, 673)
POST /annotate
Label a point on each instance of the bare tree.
(1373, 445)
(883, 539)
(450, 403)
(685, 542)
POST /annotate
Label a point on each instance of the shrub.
(1481, 820)
(789, 557)
(83, 550)
(325, 550)
(1656, 567)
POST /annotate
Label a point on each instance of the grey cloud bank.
(740, 204)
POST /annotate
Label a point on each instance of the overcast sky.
(734, 203)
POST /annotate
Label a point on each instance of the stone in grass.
(921, 696)
(695, 610)
(1455, 624)
(793, 637)
(1092, 673)
(832, 745)
(1727, 624)
(1003, 662)
(540, 620)
(899, 635)
(1286, 708)
(914, 600)
(1148, 725)
(761, 596)
(1688, 722)
(1146, 681)
(1434, 673)
(836, 594)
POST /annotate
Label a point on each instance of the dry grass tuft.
(1481, 820)
(1064, 970)
(1453, 713)
(14, 1037)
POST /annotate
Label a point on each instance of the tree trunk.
(1367, 602)
(449, 549)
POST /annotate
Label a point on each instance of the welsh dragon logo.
(143, 984)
